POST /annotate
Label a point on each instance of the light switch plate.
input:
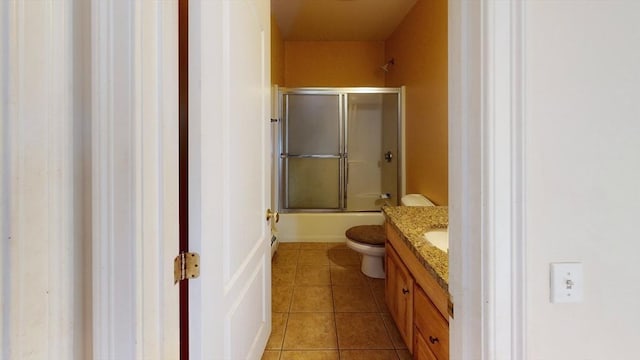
(567, 282)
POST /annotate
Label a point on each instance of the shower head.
(386, 66)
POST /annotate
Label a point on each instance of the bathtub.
(322, 227)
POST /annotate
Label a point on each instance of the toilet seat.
(367, 234)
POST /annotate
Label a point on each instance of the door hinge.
(186, 266)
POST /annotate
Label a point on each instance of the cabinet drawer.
(421, 350)
(430, 323)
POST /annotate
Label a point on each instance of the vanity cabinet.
(416, 302)
(399, 293)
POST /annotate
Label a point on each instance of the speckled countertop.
(412, 222)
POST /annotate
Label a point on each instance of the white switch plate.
(567, 282)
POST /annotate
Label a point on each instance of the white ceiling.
(339, 20)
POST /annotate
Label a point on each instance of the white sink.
(438, 238)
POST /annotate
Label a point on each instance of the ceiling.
(339, 20)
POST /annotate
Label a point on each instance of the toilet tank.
(415, 200)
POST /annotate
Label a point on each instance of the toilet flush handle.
(273, 215)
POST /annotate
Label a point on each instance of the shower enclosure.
(338, 149)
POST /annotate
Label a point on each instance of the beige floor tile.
(377, 288)
(270, 355)
(376, 282)
(312, 299)
(311, 280)
(361, 331)
(281, 298)
(313, 257)
(310, 331)
(313, 246)
(344, 257)
(368, 355)
(347, 275)
(337, 245)
(285, 257)
(353, 299)
(278, 326)
(312, 275)
(404, 354)
(394, 334)
(310, 355)
(283, 275)
(288, 246)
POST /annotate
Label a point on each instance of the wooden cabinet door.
(421, 350)
(431, 325)
(399, 294)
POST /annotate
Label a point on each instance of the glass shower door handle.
(346, 170)
(307, 156)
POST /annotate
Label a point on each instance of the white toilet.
(369, 240)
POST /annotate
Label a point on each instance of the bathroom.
(418, 65)
(411, 43)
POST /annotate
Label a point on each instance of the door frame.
(134, 127)
(487, 273)
(43, 167)
(486, 107)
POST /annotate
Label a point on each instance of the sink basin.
(438, 238)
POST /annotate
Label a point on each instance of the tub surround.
(411, 223)
(322, 227)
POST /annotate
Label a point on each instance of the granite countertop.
(412, 222)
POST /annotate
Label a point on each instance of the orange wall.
(334, 63)
(277, 55)
(419, 47)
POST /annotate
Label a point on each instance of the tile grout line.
(382, 317)
(335, 321)
(372, 294)
(333, 300)
(293, 289)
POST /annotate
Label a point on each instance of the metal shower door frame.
(343, 156)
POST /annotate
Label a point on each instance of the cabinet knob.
(433, 340)
(405, 291)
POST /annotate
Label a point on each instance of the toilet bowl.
(369, 240)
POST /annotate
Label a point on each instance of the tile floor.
(324, 308)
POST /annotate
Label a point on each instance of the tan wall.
(334, 63)
(277, 55)
(419, 47)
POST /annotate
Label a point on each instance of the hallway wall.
(582, 174)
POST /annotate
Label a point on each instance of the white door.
(229, 172)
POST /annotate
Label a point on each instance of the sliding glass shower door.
(339, 149)
(313, 153)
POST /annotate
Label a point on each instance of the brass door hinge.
(186, 266)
